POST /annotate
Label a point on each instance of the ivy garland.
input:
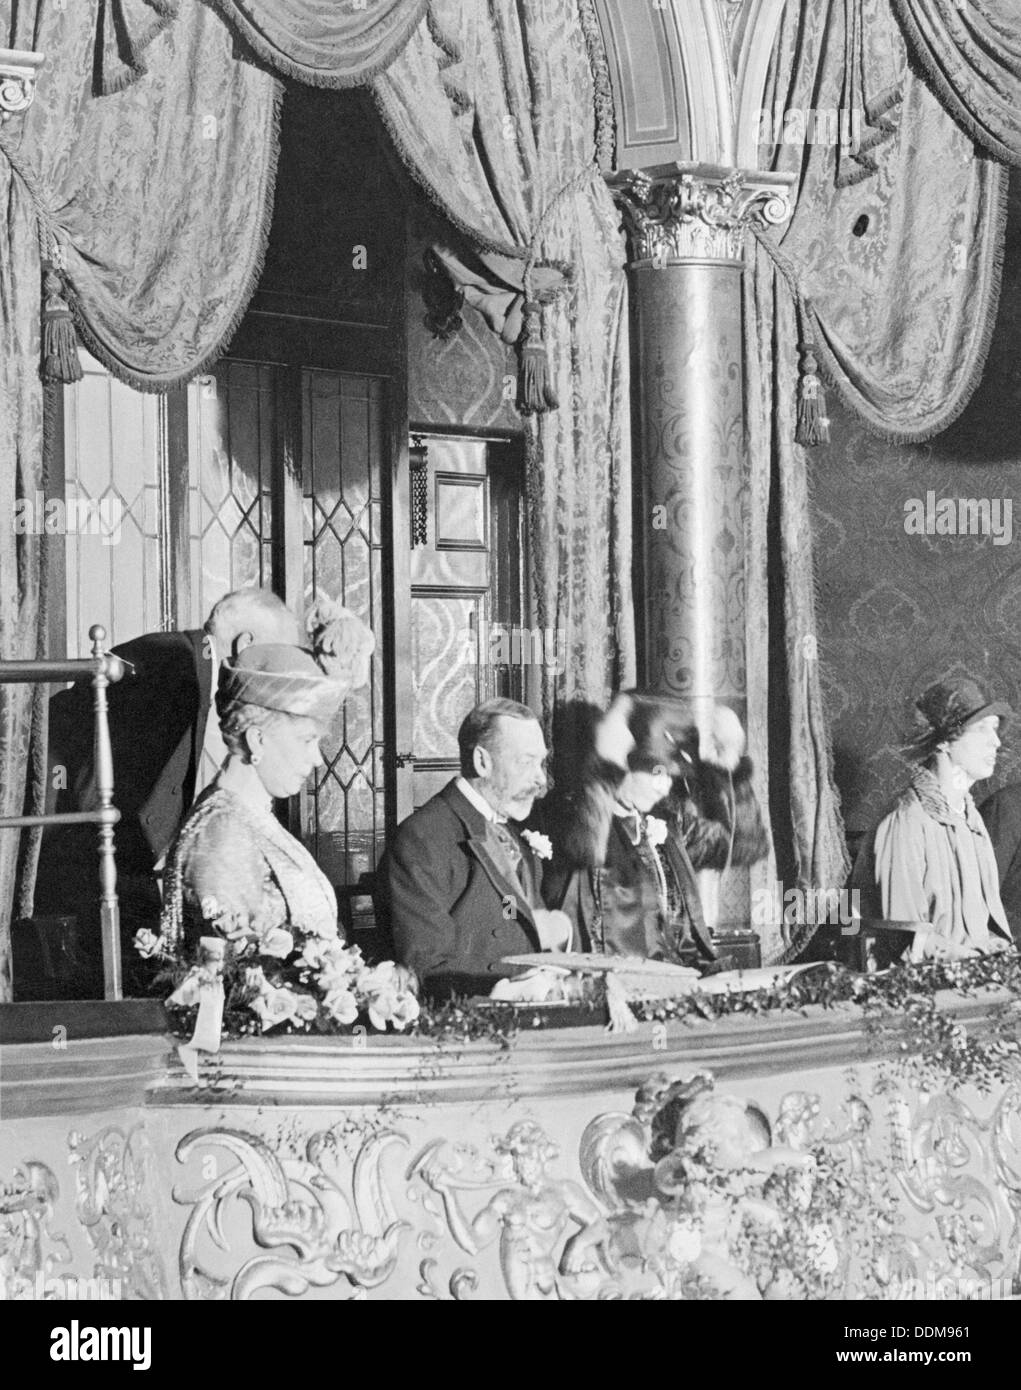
(931, 1047)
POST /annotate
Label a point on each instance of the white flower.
(147, 943)
(540, 845)
(339, 968)
(313, 953)
(655, 831)
(685, 1242)
(276, 942)
(388, 991)
(282, 1005)
(341, 1005)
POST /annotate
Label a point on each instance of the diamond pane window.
(110, 524)
(342, 450)
(233, 422)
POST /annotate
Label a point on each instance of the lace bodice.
(233, 864)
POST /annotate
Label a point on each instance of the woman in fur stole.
(652, 803)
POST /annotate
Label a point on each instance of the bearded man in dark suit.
(162, 729)
(460, 882)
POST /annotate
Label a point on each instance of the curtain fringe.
(38, 779)
(434, 196)
(832, 373)
(315, 77)
(158, 383)
(606, 125)
(948, 98)
(871, 425)
(134, 68)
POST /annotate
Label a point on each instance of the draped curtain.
(492, 108)
(896, 249)
(144, 173)
(889, 270)
(155, 200)
(971, 56)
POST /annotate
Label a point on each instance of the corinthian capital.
(684, 212)
(18, 69)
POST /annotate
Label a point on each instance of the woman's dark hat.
(951, 706)
(946, 709)
(665, 735)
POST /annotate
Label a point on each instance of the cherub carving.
(529, 1219)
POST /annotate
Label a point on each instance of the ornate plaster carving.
(319, 1219)
(29, 1249)
(681, 212)
(116, 1183)
(18, 69)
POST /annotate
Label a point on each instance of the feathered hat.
(297, 680)
(641, 732)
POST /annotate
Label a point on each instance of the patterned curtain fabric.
(21, 568)
(159, 195)
(896, 248)
(890, 266)
(788, 732)
(971, 54)
(492, 110)
(155, 200)
(326, 43)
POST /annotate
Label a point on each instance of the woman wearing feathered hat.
(657, 801)
(234, 869)
(929, 860)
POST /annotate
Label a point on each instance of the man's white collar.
(479, 802)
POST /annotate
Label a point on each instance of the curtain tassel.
(535, 390)
(60, 341)
(813, 424)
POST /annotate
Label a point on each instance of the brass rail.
(104, 669)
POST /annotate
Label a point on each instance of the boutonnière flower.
(655, 831)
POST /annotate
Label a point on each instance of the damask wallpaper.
(911, 589)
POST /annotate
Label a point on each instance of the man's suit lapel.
(503, 885)
(174, 789)
(475, 838)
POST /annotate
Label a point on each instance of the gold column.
(687, 225)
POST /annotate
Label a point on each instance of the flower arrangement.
(297, 981)
(286, 978)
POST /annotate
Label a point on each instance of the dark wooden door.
(464, 599)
